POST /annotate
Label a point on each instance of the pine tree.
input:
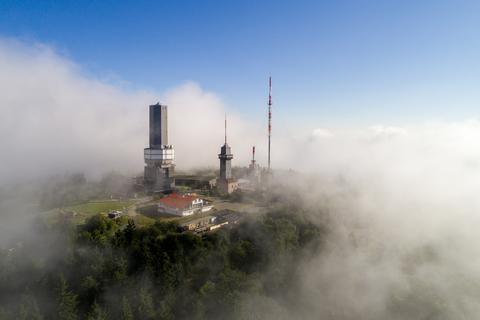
(97, 313)
(4, 314)
(66, 301)
(28, 308)
(145, 304)
(127, 313)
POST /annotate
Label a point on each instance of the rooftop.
(179, 201)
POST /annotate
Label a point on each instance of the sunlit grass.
(79, 213)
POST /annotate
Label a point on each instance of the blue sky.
(333, 62)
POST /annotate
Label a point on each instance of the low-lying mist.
(403, 210)
(401, 203)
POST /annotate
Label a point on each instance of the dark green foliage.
(98, 229)
(29, 309)
(66, 301)
(97, 313)
(106, 269)
(146, 309)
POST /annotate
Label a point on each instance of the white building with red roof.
(182, 204)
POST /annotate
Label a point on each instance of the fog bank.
(55, 119)
(402, 203)
(403, 209)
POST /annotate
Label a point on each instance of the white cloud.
(56, 119)
(404, 240)
(377, 132)
(320, 133)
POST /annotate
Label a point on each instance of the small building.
(199, 224)
(183, 204)
(246, 185)
(115, 214)
(229, 216)
(226, 186)
(218, 225)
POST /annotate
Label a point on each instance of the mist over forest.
(375, 222)
(104, 269)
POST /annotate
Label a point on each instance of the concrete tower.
(225, 183)
(159, 157)
(254, 169)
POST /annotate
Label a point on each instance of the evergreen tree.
(145, 304)
(127, 313)
(28, 309)
(66, 301)
(4, 314)
(97, 313)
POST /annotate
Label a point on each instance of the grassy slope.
(79, 213)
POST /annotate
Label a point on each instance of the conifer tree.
(97, 313)
(145, 304)
(66, 301)
(127, 313)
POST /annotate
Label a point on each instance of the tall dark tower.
(254, 169)
(225, 157)
(225, 183)
(158, 126)
(269, 119)
(159, 157)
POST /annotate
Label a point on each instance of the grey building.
(159, 156)
(158, 126)
(225, 157)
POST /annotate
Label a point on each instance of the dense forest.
(113, 269)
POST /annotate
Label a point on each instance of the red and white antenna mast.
(269, 118)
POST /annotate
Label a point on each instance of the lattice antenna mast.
(225, 128)
(269, 119)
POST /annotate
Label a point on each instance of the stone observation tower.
(225, 183)
(159, 157)
(254, 170)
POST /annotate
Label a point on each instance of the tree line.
(113, 269)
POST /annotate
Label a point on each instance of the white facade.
(164, 154)
(195, 206)
(162, 208)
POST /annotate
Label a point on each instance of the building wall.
(167, 209)
(159, 178)
(207, 208)
(232, 186)
(226, 187)
(188, 212)
(196, 206)
(158, 126)
(159, 157)
(225, 157)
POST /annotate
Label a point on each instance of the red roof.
(178, 201)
